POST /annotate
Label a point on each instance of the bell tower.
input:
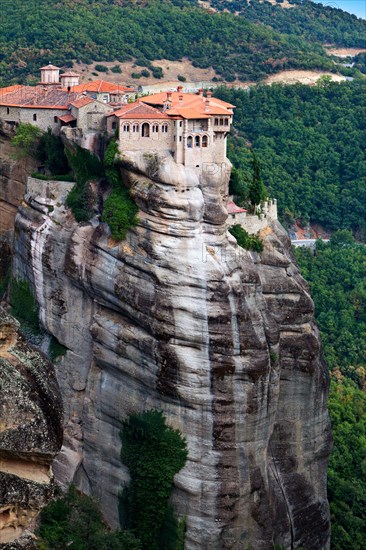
(50, 74)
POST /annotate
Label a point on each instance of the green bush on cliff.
(153, 453)
(246, 241)
(75, 521)
(26, 140)
(119, 211)
(85, 167)
(23, 305)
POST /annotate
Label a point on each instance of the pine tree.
(257, 190)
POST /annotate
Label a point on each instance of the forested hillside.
(338, 286)
(323, 23)
(36, 32)
(310, 142)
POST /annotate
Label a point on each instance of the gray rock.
(30, 434)
(223, 340)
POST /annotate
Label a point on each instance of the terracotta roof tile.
(100, 86)
(233, 208)
(194, 102)
(140, 111)
(82, 102)
(67, 118)
(38, 97)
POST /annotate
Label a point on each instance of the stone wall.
(45, 117)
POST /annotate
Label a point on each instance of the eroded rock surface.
(30, 434)
(178, 317)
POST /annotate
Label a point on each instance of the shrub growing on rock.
(154, 453)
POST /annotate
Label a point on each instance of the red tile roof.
(100, 86)
(232, 208)
(82, 102)
(37, 97)
(67, 118)
(196, 103)
(138, 110)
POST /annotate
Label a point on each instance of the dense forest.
(336, 274)
(325, 24)
(310, 142)
(36, 32)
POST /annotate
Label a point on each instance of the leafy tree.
(336, 274)
(257, 191)
(119, 211)
(153, 453)
(26, 140)
(75, 521)
(51, 152)
(246, 241)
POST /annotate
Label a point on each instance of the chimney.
(209, 94)
(207, 105)
(169, 96)
(180, 89)
(68, 89)
(181, 99)
(200, 92)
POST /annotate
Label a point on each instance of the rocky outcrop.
(30, 434)
(13, 178)
(223, 340)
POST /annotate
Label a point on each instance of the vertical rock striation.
(30, 434)
(223, 340)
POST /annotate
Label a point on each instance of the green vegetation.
(116, 69)
(4, 281)
(315, 22)
(256, 191)
(56, 349)
(154, 453)
(26, 140)
(101, 68)
(249, 242)
(23, 305)
(85, 167)
(74, 521)
(336, 275)
(122, 30)
(310, 145)
(50, 152)
(56, 177)
(119, 210)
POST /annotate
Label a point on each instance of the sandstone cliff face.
(178, 317)
(30, 434)
(13, 178)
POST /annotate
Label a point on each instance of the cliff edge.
(178, 317)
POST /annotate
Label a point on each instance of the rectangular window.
(216, 121)
(226, 121)
(34, 117)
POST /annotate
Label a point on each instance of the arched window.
(135, 128)
(8, 110)
(114, 125)
(55, 119)
(126, 127)
(226, 122)
(155, 128)
(34, 117)
(145, 130)
(164, 128)
(216, 121)
(204, 141)
(189, 141)
(197, 141)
